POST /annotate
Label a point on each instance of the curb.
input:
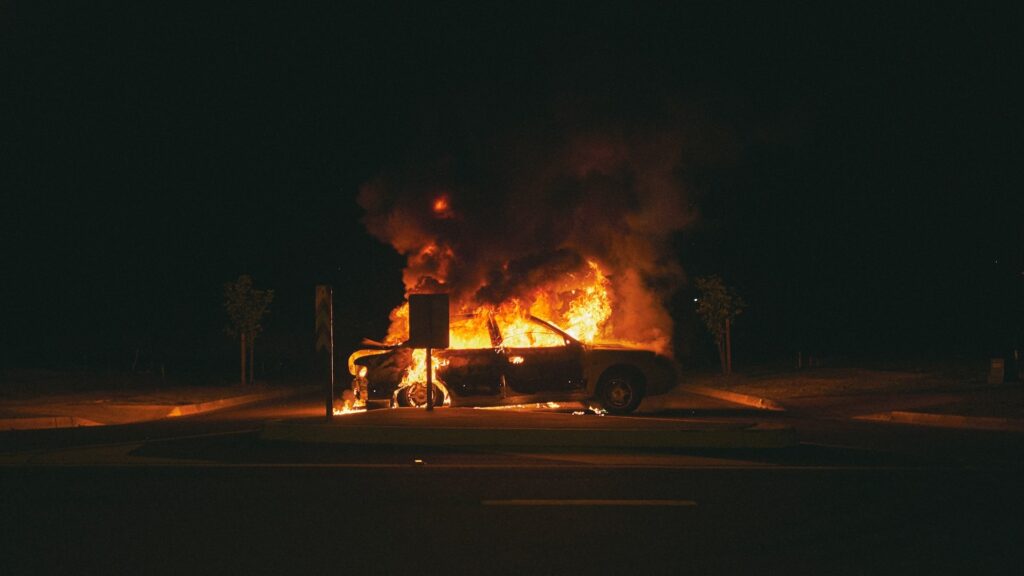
(735, 397)
(947, 420)
(202, 407)
(41, 422)
(173, 411)
(321, 433)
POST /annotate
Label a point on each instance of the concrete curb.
(42, 422)
(947, 420)
(323, 433)
(202, 407)
(735, 397)
(163, 411)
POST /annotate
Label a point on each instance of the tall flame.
(580, 304)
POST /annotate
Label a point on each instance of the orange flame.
(441, 207)
(579, 304)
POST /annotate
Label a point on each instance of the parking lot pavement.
(867, 395)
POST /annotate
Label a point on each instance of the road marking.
(586, 502)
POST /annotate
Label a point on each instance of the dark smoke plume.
(492, 224)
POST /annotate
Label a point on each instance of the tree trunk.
(719, 342)
(243, 357)
(252, 363)
(728, 348)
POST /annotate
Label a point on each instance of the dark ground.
(326, 519)
(205, 495)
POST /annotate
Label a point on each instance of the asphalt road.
(205, 495)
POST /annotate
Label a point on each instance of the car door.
(472, 372)
(553, 364)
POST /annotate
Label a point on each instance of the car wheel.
(416, 396)
(620, 392)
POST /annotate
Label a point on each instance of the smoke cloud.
(495, 223)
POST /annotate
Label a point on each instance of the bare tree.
(246, 308)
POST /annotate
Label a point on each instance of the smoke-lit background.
(851, 171)
(531, 209)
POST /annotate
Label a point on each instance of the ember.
(440, 207)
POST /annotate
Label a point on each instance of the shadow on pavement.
(248, 448)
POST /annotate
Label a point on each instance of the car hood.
(618, 346)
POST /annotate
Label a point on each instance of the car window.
(531, 335)
(469, 332)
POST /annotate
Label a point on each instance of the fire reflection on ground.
(536, 406)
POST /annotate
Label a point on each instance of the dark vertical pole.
(241, 334)
(330, 350)
(252, 361)
(728, 347)
(430, 381)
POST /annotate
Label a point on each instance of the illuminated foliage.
(719, 305)
(246, 308)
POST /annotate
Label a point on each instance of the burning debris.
(536, 406)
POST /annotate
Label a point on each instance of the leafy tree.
(246, 308)
(719, 305)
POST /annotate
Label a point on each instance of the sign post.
(428, 328)
(325, 337)
(430, 380)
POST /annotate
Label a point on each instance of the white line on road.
(586, 502)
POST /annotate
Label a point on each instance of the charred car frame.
(616, 377)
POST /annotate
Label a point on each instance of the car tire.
(405, 399)
(620, 391)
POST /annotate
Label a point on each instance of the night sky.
(855, 171)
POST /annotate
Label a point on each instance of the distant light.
(695, 299)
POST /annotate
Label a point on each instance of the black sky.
(856, 169)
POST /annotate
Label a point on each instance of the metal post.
(330, 350)
(430, 381)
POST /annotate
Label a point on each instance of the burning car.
(530, 361)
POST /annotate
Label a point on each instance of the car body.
(566, 369)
